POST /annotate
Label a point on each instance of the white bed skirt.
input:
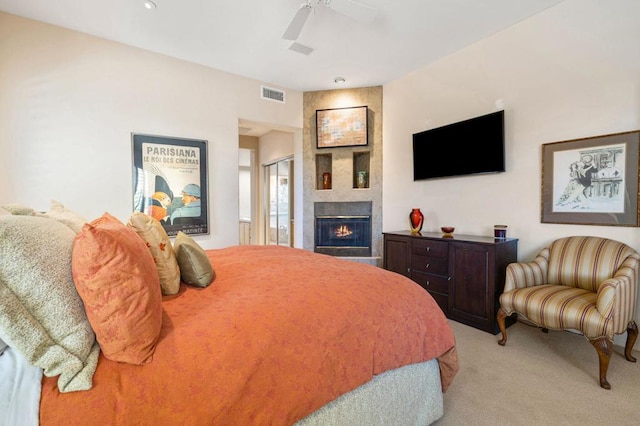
(20, 386)
(410, 395)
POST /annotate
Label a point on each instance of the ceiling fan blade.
(354, 10)
(297, 23)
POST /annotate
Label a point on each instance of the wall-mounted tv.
(468, 147)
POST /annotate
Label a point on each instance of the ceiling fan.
(352, 9)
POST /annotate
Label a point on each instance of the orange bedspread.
(278, 334)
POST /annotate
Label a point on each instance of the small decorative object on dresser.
(500, 231)
(447, 231)
(416, 219)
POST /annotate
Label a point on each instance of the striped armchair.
(587, 284)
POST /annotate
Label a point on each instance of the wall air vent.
(272, 94)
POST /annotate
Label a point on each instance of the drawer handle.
(428, 282)
(427, 267)
(428, 248)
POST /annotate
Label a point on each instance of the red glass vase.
(416, 219)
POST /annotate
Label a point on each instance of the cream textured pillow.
(41, 314)
(159, 244)
(195, 267)
(118, 282)
(63, 215)
(18, 209)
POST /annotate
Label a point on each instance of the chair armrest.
(617, 296)
(521, 275)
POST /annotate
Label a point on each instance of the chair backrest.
(585, 262)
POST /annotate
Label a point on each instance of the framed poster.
(170, 182)
(591, 181)
(340, 127)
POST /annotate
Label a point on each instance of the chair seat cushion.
(558, 307)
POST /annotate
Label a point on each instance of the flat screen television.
(472, 146)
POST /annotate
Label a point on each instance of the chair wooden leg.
(632, 335)
(503, 329)
(604, 347)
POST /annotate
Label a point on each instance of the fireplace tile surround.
(342, 168)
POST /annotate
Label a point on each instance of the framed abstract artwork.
(339, 127)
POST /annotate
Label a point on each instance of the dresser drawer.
(437, 283)
(430, 248)
(429, 264)
(442, 300)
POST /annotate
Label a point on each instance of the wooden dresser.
(465, 273)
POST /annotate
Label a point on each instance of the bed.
(281, 336)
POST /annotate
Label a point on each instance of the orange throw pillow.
(118, 282)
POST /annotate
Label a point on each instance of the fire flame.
(343, 231)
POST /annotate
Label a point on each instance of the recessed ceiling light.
(339, 80)
(149, 4)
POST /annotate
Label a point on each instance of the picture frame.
(342, 127)
(592, 181)
(170, 182)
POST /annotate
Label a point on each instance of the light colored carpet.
(538, 379)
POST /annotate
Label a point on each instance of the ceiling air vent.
(272, 94)
(300, 48)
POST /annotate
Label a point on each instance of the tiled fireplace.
(343, 228)
(350, 223)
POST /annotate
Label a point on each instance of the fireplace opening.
(343, 231)
(343, 234)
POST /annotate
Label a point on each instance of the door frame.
(291, 199)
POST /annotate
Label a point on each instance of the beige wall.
(69, 103)
(571, 72)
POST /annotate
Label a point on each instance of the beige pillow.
(18, 209)
(152, 232)
(41, 313)
(195, 267)
(63, 215)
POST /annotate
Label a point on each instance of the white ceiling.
(244, 36)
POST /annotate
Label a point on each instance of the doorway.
(266, 150)
(246, 195)
(278, 186)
